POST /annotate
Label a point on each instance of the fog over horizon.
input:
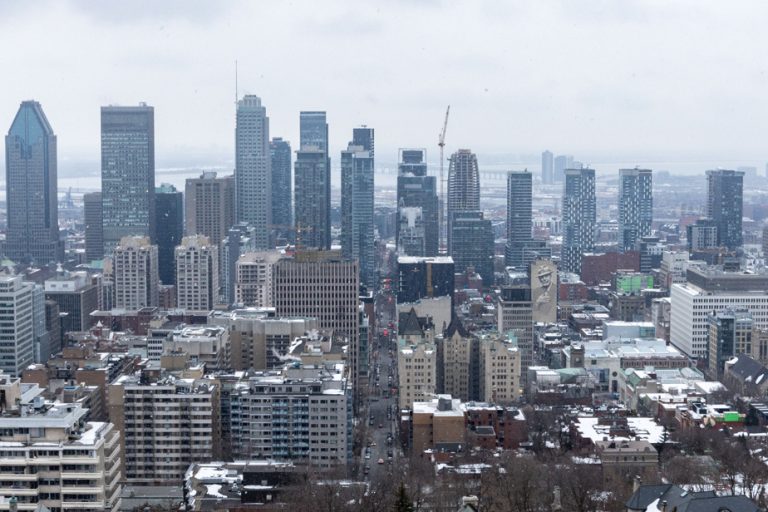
(671, 86)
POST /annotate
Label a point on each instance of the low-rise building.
(438, 425)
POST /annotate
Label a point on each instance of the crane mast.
(442, 202)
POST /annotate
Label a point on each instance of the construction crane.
(443, 203)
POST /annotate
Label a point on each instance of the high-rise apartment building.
(519, 216)
(417, 229)
(635, 206)
(357, 232)
(127, 173)
(499, 369)
(54, 458)
(579, 217)
(515, 316)
(253, 168)
(169, 229)
(166, 423)
(305, 415)
(547, 168)
(312, 201)
(725, 203)
(239, 240)
(471, 243)
(253, 278)
(209, 206)
(17, 337)
(31, 195)
(313, 130)
(94, 230)
(323, 285)
(135, 273)
(463, 182)
(416, 359)
(282, 210)
(197, 274)
(702, 235)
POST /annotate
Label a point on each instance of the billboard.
(544, 290)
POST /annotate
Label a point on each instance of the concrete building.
(635, 206)
(322, 285)
(302, 414)
(520, 213)
(209, 206)
(240, 240)
(561, 163)
(416, 359)
(254, 279)
(579, 218)
(197, 274)
(515, 314)
(253, 173)
(499, 369)
(169, 229)
(463, 182)
(357, 185)
(713, 289)
(417, 228)
(94, 231)
(135, 268)
(547, 168)
(312, 198)
(455, 349)
(127, 173)
(282, 205)
(438, 424)
(702, 235)
(17, 337)
(77, 296)
(53, 457)
(32, 233)
(424, 277)
(167, 422)
(259, 339)
(673, 267)
(730, 334)
(725, 205)
(203, 344)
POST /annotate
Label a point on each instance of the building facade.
(312, 199)
(169, 228)
(253, 173)
(635, 206)
(197, 274)
(17, 338)
(32, 233)
(282, 209)
(520, 214)
(94, 230)
(254, 279)
(471, 243)
(417, 228)
(209, 206)
(127, 173)
(135, 271)
(579, 217)
(725, 205)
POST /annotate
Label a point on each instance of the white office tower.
(52, 457)
(713, 289)
(253, 278)
(135, 273)
(17, 336)
(197, 274)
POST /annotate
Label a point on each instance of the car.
(370, 423)
(366, 469)
(367, 455)
(380, 461)
(389, 453)
(381, 425)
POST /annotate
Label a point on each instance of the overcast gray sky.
(682, 79)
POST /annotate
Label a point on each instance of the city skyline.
(196, 45)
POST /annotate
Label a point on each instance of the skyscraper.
(280, 153)
(357, 204)
(547, 168)
(197, 273)
(169, 229)
(725, 197)
(31, 181)
(127, 173)
(313, 130)
(579, 217)
(561, 163)
(463, 182)
(312, 199)
(17, 342)
(635, 206)
(519, 215)
(94, 229)
(417, 228)
(135, 273)
(209, 206)
(253, 174)
(471, 243)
